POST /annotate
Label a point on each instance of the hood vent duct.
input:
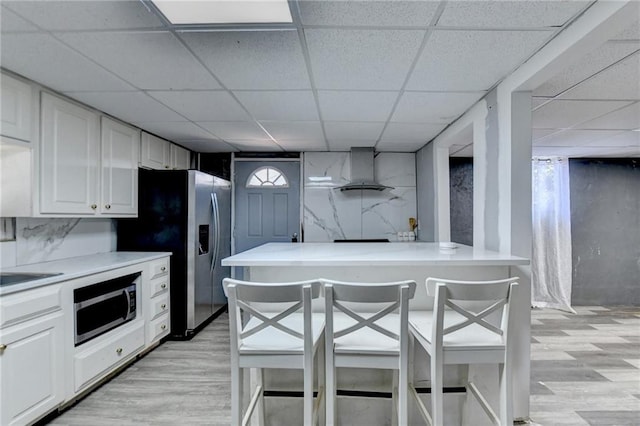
(362, 171)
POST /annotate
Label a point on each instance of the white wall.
(331, 214)
(43, 239)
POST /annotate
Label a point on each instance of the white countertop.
(369, 254)
(75, 267)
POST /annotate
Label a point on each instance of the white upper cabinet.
(154, 152)
(158, 154)
(69, 158)
(15, 109)
(119, 176)
(86, 169)
(180, 158)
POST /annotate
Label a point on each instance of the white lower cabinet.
(31, 369)
(156, 307)
(107, 354)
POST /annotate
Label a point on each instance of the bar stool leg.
(236, 394)
(437, 396)
(506, 410)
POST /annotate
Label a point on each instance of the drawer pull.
(94, 206)
(163, 286)
(163, 306)
(164, 268)
(119, 351)
(108, 206)
(2, 348)
(163, 326)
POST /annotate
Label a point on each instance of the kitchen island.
(377, 262)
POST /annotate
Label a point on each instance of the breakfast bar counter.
(379, 262)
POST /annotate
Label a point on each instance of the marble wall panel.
(387, 213)
(330, 214)
(43, 239)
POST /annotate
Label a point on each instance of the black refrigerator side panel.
(161, 225)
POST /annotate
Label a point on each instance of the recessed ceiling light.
(185, 12)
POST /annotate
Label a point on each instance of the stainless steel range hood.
(362, 171)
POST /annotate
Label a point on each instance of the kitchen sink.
(9, 278)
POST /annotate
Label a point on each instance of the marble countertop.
(75, 267)
(369, 254)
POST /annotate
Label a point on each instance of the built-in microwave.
(104, 306)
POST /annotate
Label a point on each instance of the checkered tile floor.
(585, 368)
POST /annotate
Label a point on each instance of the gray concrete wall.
(605, 231)
(461, 199)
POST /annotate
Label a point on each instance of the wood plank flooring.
(585, 370)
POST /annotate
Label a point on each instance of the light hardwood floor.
(585, 371)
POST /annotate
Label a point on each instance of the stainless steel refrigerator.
(188, 213)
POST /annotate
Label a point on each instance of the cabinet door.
(69, 158)
(119, 176)
(16, 108)
(154, 153)
(180, 158)
(31, 369)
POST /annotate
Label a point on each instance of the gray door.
(266, 210)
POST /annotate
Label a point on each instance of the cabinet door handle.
(163, 306)
(2, 348)
(164, 268)
(119, 351)
(163, 326)
(167, 167)
(94, 206)
(163, 286)
(108, 206)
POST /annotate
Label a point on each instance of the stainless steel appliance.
(104, 306)
(188, 213)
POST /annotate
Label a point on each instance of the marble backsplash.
(44, 239)
(331, 214)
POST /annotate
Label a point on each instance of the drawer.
(158, 328)
(159, 267)
(102, 355)
(159, 286)
(22, 306)
(159, 305)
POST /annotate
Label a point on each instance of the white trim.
(265, 159)
(233, 209)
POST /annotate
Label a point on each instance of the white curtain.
(551, 263)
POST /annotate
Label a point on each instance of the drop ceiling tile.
(585, 67)
(202, 105)
(372, 13)
(624, 139)
(10, 22)
(148, 60)
(176, 131)
(631, 33)
(356, 106)
(295, 130)
(410, 133)
(541, 133)
(86, 15)
(131, 107)
(361, 59)
(538, 102)
(431, 107)
(229, 130)
(280, 105)
(470, 61)
(347, 144)
(302, 145)
(627, 118)
(464, 151)
(340, 130)
(206, 145)
(398, 146)
(53, 64)
(509, 14)
(255, 145)
(252, 59)
(621, 81)
(562, 114)
(585, 151)
(575, 137)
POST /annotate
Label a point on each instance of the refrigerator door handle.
(215, 218)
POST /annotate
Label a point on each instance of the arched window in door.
(267, 177)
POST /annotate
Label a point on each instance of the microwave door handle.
(127, 296)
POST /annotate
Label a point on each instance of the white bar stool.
(462, 334)
(375, 339)
(273, 336)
